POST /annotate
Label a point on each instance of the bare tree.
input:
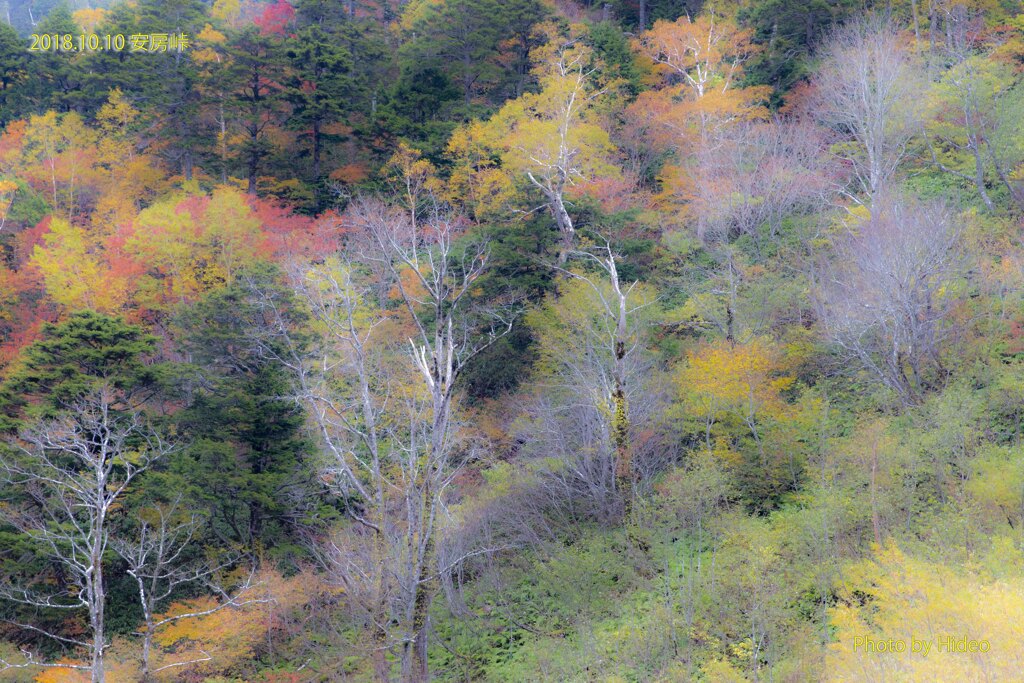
(447, 337)
(385, 407)
(718, 292)
(157, 561)
(74, 470)
(870, 90)
(886, 297)
(755, 174)
(615, 311)
(594, 397)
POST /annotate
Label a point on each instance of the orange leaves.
(11, 142)
(231, 635)
(352, 173)
(287, 235)
(705, 58)
(172, 251)
(707, 53)
(117, 669)
(58, 159)
(195, 648)
(58, 675)
(80, 169)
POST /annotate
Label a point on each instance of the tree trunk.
(147, 646)
(875, 520)
(979, 177)
(187, 164)
(379, 656)
(97, 600)
(94, 575)
(253, 164)
(620, 418)
(420, 672)
(917, 26)
(565, 227)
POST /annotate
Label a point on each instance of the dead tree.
(156, 560)
(886, 297)
(870, 90)
(384, 408)
(74, 470)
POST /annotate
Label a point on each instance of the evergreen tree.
(14, 73)
(248, 460)
(78, 356)
(319, 87)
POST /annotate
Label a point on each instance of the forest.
(511, 341)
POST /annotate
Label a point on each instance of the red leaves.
(275, 18)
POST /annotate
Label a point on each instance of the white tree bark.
(76, 468)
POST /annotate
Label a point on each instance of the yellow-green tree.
(191, 244)
(735, 398)
(896, 596)
(75, 271)
(554, 138)
(57, 158)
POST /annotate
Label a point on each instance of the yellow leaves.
(477, 180)
(344, 313)
(721, 379)
(57, 675)
(89, 18)
(207, 40)
(231, 230)
(211, 35)
(164, 238)
(412, 175)
(82, 169)
(226, 11)
(911, 598)
(721, 671)
(50, 133)
(542, 130)
(57, 157)
(8, 190)
(193, 243)
(998, 481)
(576, 323)
(418, 11)
(117, 114)
(553, 137)
(74, 273)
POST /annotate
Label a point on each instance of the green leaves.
(87, 351)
